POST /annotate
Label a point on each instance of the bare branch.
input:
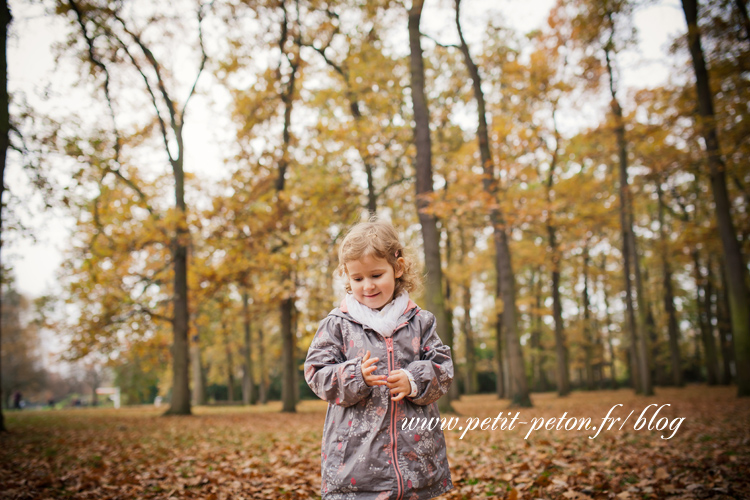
(444, 45)
(204, 58)
(150, 90)
(98, 63)
(140, 309)
(176, 128)
(118, 173)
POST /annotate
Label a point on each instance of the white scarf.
(384, 321)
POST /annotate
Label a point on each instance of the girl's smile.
(372, 280)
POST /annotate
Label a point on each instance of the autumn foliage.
(577, 236)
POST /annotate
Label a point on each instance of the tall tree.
(434, 296)
(669, 309)
(733, 259)
(105, 25)
(248, 383)
(505, 289)
(291, 59)
(471, 384)
(561, 349)
(601, 29)
(4, 143)
(631, 265)
(588, 341)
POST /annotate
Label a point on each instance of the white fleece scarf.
(384, 321)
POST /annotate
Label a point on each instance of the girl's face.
(373, 280)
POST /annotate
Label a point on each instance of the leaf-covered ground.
(259, 453)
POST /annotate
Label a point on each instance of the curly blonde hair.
(379, 239)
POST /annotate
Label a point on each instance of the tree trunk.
(658, 373)
(248, 384)
(519, 391)
(703, 325)
(669, 309)
(518, 387)
(471, 358)
(434, 299)
(288, 391)
(286, 308)
(295, 353)
(499, 355)
(561, 351)
(453, 392)
(563, 378)
(709, 344)
(180, 402)
(4, 143)
(199, 388)
(605, 297)
(471, 385)
(262, 367)
(537, 360)
(736, 270)
(644, 328)
(588, 347)
(725, 329)
(230, 361)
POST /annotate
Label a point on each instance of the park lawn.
(260, 453)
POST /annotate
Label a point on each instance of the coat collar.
(345, 309)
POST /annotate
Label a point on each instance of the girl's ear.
(400, 266)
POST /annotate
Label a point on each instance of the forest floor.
(260, 453)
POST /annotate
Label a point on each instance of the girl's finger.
(369, 362)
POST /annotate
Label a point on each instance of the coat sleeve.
(433, 372)
(329, 374)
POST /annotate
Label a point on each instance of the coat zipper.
(392, 427)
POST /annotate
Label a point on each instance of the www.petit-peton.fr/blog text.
(647, 420)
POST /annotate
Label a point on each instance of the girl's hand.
(398, 383)
(368, 371)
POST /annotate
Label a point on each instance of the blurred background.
(179, 175)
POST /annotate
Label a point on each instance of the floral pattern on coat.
(363, 427)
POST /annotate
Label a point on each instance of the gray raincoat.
(366, 453)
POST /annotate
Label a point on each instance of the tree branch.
(445, 46)
(98, 63)
(150, 90)
(204, 58)
(160, 85)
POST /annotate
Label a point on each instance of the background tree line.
(556, 257)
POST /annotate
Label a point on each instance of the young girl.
(379, 362)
